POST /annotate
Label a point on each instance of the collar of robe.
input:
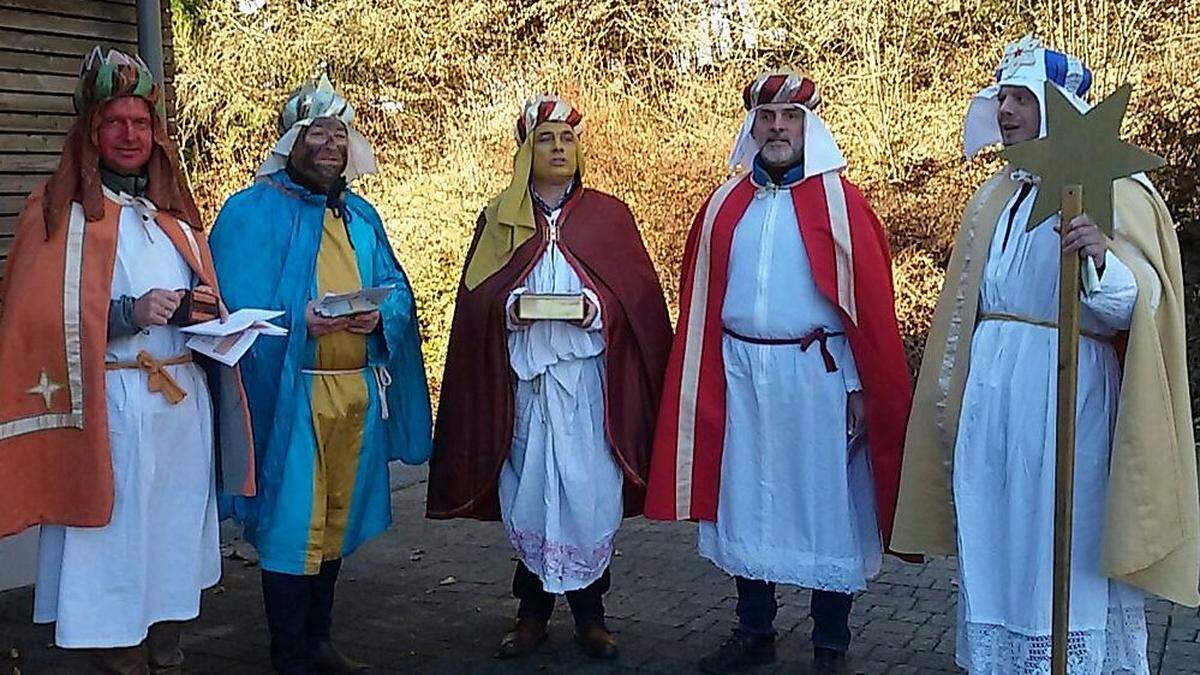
(546, 208)
(134, 185)
(778, 177)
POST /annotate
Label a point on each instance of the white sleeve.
(845, 364)
(512, 298)
(1111, 296)
(597, 323)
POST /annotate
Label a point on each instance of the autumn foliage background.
(437, 86)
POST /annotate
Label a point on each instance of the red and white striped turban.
(783, 87)
(547, 108)
(821, 153)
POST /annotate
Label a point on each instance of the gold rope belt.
(1003, 316)
(158, 379)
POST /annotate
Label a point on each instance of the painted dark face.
(1019, 116)
(321, 152)
(779, 131)
(125, 135)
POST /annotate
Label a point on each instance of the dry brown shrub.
(438, 85)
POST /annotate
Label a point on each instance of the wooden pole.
(1064, 468)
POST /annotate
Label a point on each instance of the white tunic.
(1004, 467)
(796, 505)
(560, 488)
(105, 586)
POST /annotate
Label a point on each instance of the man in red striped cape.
(787, 391)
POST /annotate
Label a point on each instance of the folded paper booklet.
(228, 342)
(334, 305)
(550, 307)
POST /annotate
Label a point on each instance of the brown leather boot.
(523, 639)
(596, 641)
(162, 648)
(120, 661)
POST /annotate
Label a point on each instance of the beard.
(781, 153)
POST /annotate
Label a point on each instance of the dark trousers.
(757, 606)
(587, 604)
(299, 613)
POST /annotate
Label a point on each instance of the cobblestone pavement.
(434, 597)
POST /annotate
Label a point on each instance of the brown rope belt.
(820, 335)
(1003, 316)
(158, 379)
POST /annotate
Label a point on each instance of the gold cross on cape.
(44, 388)
(1082, 149)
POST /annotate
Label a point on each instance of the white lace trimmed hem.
(807, 571)
(1119, 647)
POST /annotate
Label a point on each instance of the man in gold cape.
(978, 474)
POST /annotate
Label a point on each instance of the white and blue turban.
(1026, 63)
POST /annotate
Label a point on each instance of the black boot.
(739, 651)
(331, 661)
(828, 661)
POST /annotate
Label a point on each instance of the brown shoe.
(523, 639)
(596, 641)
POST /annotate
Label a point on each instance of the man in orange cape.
(107, 423)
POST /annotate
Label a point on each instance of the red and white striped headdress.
(547, 108)
(821, 153)
(782, 87)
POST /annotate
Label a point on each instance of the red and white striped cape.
(851, 263)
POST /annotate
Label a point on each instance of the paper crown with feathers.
(315, 99)
(106, 76)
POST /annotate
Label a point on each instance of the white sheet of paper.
(229, 349)
(333, 305)
(228, 342)
(238, 322)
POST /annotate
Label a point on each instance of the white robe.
(1004, 468)
(560, 488)
(105, 586)
(796, 505)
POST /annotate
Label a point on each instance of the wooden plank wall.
(42, 43)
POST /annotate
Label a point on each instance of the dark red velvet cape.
(474, 429)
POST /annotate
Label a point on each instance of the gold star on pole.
(44, 388)
(1081, 149)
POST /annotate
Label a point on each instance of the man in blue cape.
(339, 397)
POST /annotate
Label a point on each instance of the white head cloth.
(311, 102)
(1026, 63)
(821, 152)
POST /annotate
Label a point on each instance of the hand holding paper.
(334, 305)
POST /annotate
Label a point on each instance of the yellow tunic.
(339, 404)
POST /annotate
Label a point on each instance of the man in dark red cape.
(547, 423)
(787, 363)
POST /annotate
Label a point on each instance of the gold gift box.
(550, 307)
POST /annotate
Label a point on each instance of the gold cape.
(1152, 521)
